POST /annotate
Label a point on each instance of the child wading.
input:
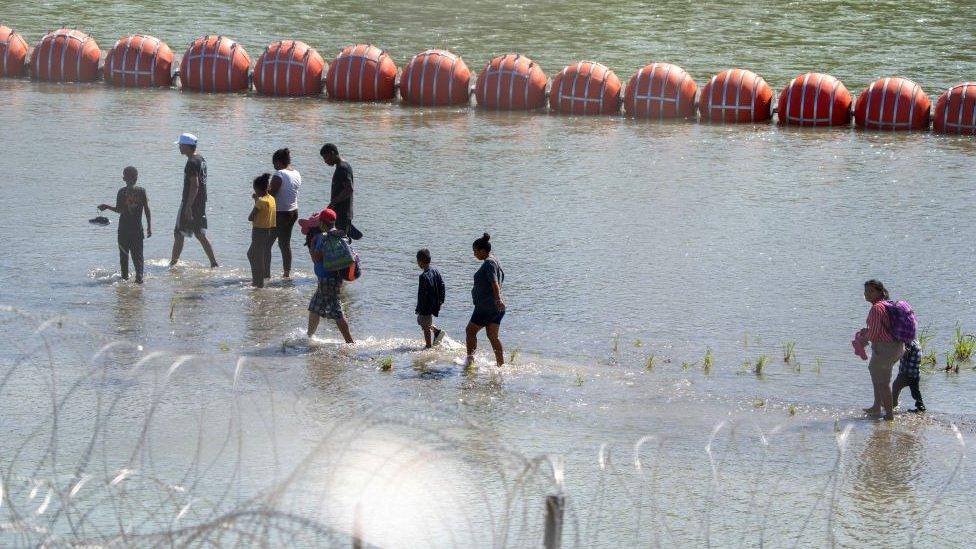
(262, 231)
(332, 257)
(430, 297)
(908, 375)
(130, 202)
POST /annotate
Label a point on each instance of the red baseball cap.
(327, 215)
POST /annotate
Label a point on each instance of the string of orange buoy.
(511, 82)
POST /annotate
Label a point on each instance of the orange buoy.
(13, 53)
(585, 88)
(892, 104)
(736, 95)
(661, 90)
(215, 64)
(955, 111)
(815, 99)
(435, 78)
(362, 73)
(289, 68)
(511, 82)
(65, 55)
(139, 61)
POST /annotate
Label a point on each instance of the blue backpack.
(336, 252)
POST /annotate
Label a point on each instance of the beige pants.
(884, 355)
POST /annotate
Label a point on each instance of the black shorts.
(483, 318)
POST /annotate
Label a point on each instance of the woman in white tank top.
(284, 187)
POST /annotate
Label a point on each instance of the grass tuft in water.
(708, 360)
(791, 409)
(951, 364)
(929, 361)
(963, 345)
(789, 352)
(638, 343)
(761, 364)
(579, 379)
(386, 364)
(687, 365)
(819, 364)
(514, 355)
(759, 402)
(651, 362)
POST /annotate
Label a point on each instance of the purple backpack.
(904, 324)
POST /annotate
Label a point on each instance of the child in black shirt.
(130, 203)
(430, 297)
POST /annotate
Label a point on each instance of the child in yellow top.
(262, 231)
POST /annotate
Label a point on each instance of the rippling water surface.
(623, 242)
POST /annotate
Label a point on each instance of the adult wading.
(340, 200)
(192, 218)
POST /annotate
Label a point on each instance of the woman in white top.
(284, 187)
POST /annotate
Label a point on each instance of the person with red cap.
(332, 256)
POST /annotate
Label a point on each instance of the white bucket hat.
(186, 139)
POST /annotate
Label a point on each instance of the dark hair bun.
(486, 237)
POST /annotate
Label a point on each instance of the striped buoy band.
(814, 99)
(289, 68)
(511, 82)
(435, 78)
(362, 72)
(585, 87)
(139, 61)
(215, 64)
(13, 53)
(65, 55)
(661, 91)
(736, 95)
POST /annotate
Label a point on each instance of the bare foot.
(214, 265)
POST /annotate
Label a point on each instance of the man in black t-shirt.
(340, 200)
(192, 217)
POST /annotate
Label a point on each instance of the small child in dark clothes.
(908, 375)
(130, 203)
(430, 297)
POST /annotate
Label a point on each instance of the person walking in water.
(489, 307)
(325, 302)
(192, 217)
(285, 184)
(340, 200)
(130, 203)
(263, 221)
(430, 297)
(885, 349)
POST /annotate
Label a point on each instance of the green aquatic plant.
(759, 402)
(707, 361)
(687, 365)
(745, 340)
(651, 361)
(963, 345)
(638, 343)
(616, 343)
(951, 364)
(929, 361)
(386, 364)
(819, 364)
(791, 409)
(761, 364)
(789, 352)
(579, 379)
